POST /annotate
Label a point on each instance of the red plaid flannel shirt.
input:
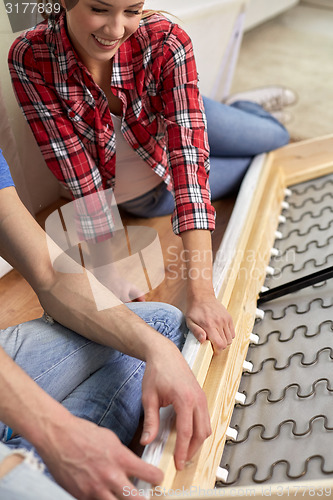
(155, 76)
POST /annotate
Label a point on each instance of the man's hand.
(208, 319)
(169, 380)
(92, 464)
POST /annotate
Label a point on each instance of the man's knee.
(9, 463)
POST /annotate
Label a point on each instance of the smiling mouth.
(106, 43)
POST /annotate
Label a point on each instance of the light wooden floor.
(19, 302)
(295, 50)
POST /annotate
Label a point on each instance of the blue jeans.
(25, 482)
(92, 381)
(236, 134)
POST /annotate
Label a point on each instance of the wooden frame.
(239, 273)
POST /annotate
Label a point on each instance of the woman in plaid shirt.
(103, 73)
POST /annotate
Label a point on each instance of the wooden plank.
(18, 301)
(305, 160)
(193, 474)
(224, 376)
(160, 452)
(241, 231)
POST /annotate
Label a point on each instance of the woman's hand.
(208, 319)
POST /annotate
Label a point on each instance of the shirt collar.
(122, 72)
(67, 58)
(122, 76)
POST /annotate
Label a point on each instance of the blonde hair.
(52, 7)
(151, 12)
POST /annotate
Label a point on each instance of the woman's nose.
(114, 28)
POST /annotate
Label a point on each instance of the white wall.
(259, 11)
(210, 24)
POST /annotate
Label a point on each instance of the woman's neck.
(102, 75)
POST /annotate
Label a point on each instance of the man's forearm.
(25, 407)
(71, 302)
(68, 298)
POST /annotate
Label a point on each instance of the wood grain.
(18, 301)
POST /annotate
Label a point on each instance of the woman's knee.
(273, 130)
(282, 138)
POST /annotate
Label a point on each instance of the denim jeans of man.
(92, 381)
(27, 482)
(236, 134)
